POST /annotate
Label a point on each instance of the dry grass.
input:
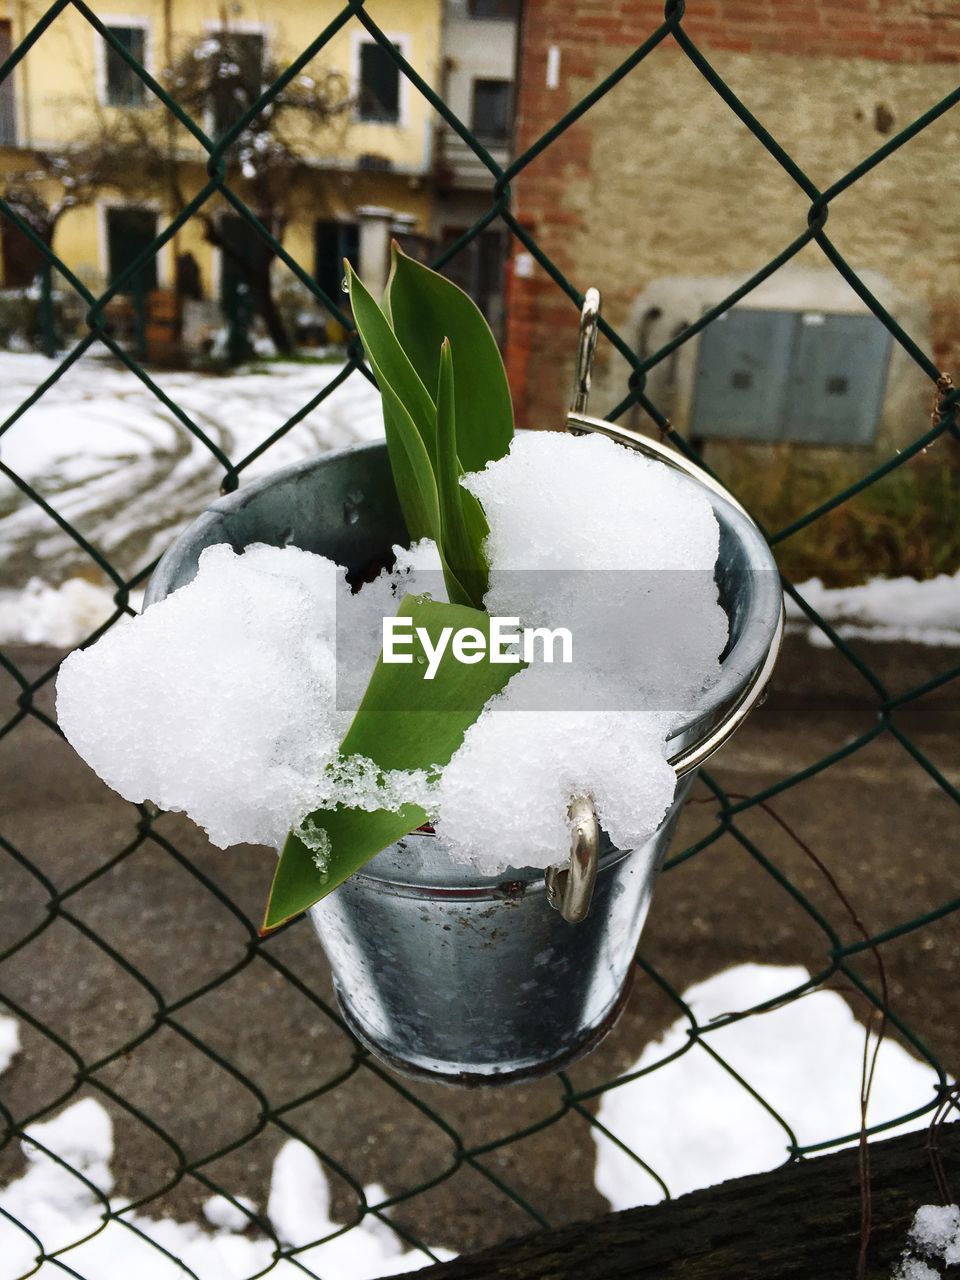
(906, 524)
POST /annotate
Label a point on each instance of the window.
(379, 96)
(478, 268)
(244, 266)
(236, 63)
(332, 242)
(491, 109)
(492, 9)
(129, 232)
(123, 87)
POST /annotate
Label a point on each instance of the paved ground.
(881, 823)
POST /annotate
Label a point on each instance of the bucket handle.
(570, 884)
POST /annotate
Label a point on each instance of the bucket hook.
(586, 349)
(570, 884)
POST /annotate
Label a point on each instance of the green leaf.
(475, 519)
(355, 837)
(424, 308)
(413, 476)
(410, 461)
(390, 362)
(462, 545)
(403, 722)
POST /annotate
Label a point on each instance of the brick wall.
(889, 30)
(660, 179)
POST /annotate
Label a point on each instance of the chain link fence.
(164, 850)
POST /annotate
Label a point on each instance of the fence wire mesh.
(236, 946)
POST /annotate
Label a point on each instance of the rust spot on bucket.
(511, 889)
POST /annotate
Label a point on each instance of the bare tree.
(144, 152)
(48, 184)
(217, 81)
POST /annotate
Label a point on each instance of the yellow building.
(376, 154)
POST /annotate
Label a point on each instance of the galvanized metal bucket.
(440, 972)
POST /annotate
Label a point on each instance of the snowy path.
(114, 461)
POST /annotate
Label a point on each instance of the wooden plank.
(800, 1222)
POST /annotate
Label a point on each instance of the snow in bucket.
(227, 700)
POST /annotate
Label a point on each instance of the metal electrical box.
(802, 377)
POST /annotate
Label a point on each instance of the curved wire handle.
(570, 884)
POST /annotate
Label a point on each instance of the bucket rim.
(163, 580)
(500, 888)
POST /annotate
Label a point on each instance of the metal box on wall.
(798, 377)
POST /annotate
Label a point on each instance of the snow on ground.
(62, 1205)
(9, 1041)
(110, 458)
(696, 1125)
(884, 609)
(690, 1119)
(66, 1188)
(60, 616)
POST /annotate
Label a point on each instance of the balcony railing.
(456, 165)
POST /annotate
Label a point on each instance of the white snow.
(560, 501)
(621, 551)
(58, 1204)
(884, 609)
(222, 700)
(934, 1233)
(696, 1125)
(690, 1119)
(230, 1216)
(913, 1269)
(618, 548)
(936, 1229)
(48, 1195)
(502, 800)
(61, 616)
(99, 414)
(9, 1041)
(299, 1208)
(108, 456)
